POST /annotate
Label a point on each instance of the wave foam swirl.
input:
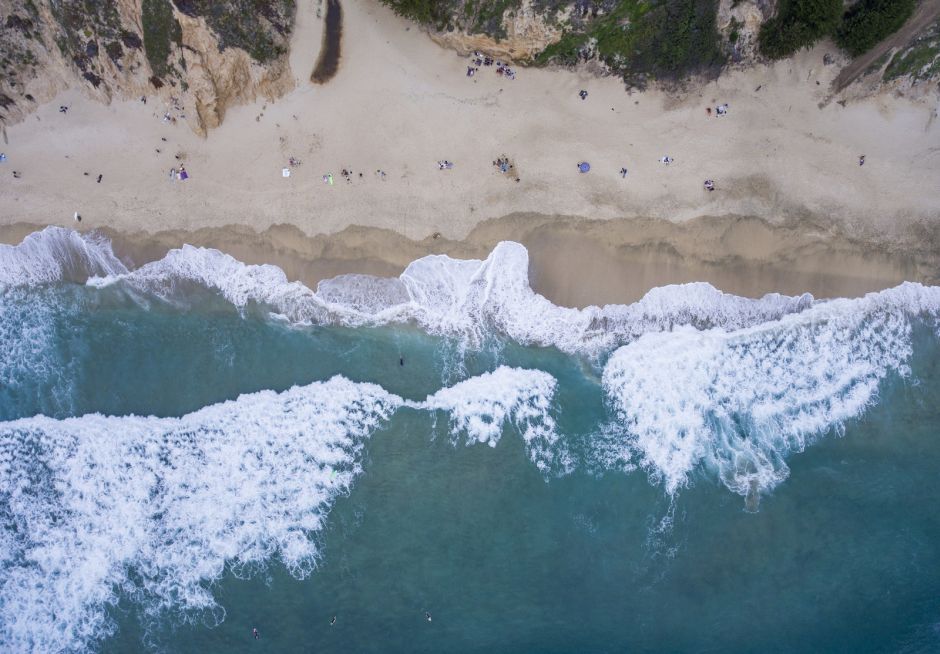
(469, 299)
(57, 254)
(739, 402)
(158, 508)
(479, 407)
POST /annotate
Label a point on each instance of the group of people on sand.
(478, 59)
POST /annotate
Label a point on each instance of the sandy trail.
(924, 15)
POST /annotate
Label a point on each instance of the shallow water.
(197, 449)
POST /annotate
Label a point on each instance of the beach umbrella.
(584, 166)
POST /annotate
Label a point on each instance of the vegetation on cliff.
(261, 28)
(869, 21)
(638, 39)
(801, 23)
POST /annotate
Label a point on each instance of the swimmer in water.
(333, 621)
(427, 615)
(401, 361)
(254, 632)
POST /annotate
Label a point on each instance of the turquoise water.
(185, 457)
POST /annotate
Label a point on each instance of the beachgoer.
(709, 185)
(16, 174)
(3, 156)
(427, 615)
(583, 94)
(333, 621)
(99, 178)
(708, 110)
(623, 173)
(861, 160)
(77, 217)
(401, 361)
(254, 632)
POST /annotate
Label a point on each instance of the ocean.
(447, 462)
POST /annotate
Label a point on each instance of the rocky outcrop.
(525, 33)
(210, 54)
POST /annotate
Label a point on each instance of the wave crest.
(739, 402)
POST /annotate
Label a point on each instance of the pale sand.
(400, 103)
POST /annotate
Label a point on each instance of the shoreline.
(572, 261)
(793, 211)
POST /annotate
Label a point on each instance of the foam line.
(467, 299)
(57, 254)
(157, 508)
(739, 402)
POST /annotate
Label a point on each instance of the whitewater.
(101, 504)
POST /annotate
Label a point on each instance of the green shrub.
(668, 39)
(870, 21)
(161, 30)
(426, 12)
(798, 24)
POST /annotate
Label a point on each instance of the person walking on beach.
(623, 173)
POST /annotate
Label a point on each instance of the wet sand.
(573, 262)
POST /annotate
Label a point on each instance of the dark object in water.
(328, 61)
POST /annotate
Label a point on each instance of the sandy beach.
(793, 210)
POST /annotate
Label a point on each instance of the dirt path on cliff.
(924, 15)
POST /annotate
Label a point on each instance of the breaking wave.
(739, 402)
(55, 255)
(467, 299)
(96, 507)
(158, 508)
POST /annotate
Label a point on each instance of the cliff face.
(209, 53)
(670, 41)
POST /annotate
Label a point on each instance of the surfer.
(427, 615)
(254, 632)
(333, 621)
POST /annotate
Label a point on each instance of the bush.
(160, 31)
(669, 39)
(426, 12)
(870, 21)
(798, 24)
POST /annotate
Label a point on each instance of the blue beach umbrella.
(584, 166)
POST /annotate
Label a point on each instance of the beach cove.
(786, 153)
(328, 393)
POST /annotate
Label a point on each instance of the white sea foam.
(157, 507)
(57, 254)
(480, 407)
(468, 299)
(738, 402)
